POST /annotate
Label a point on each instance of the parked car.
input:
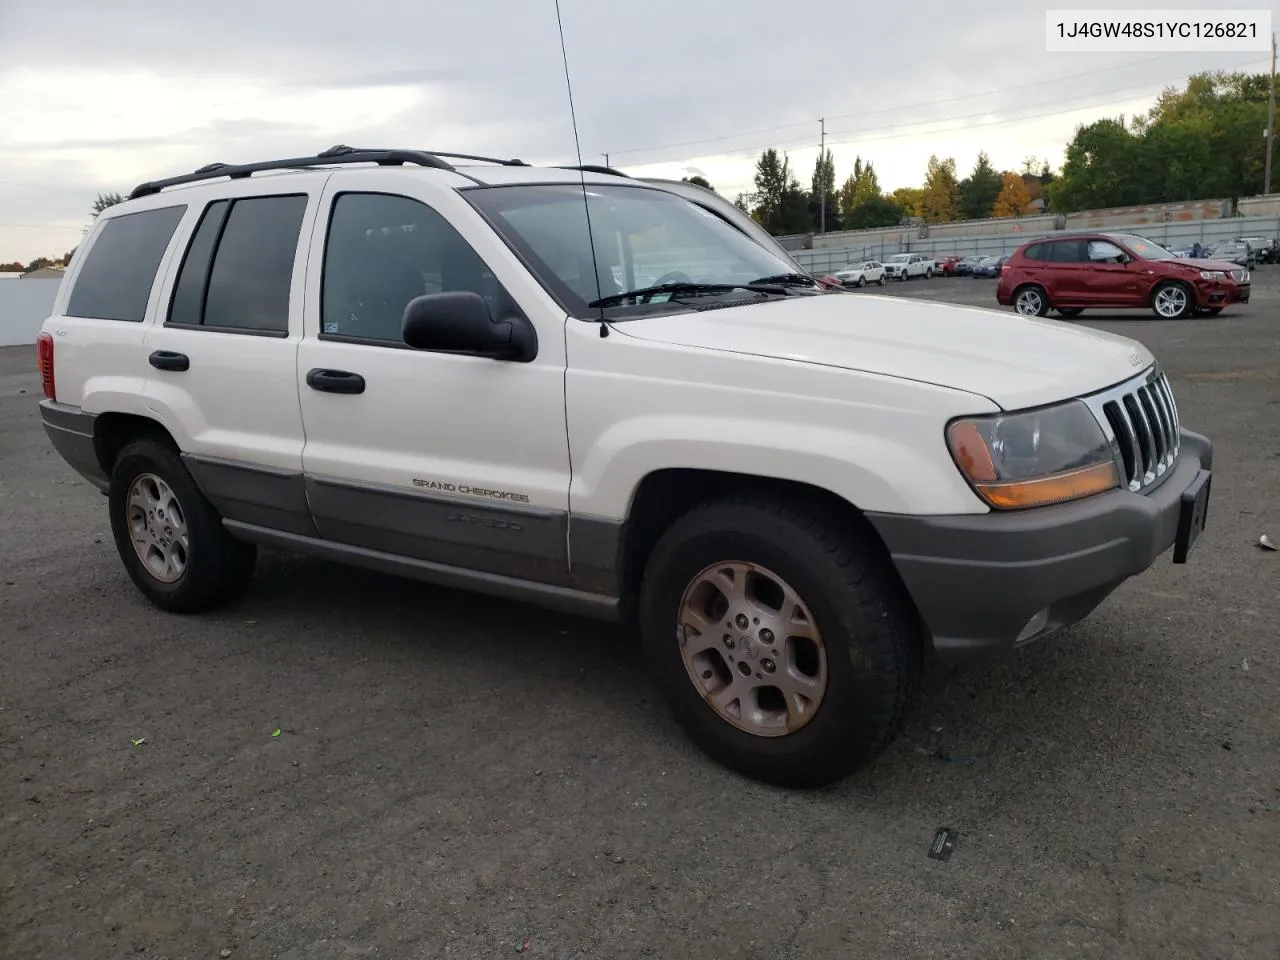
(904, 266)
(987, 267)
(1264, 250)
(1234, 251)
(946, 265)
(389, 361)
(861, 273)
(965, 267)
(1115, 271)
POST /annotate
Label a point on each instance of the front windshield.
(642, 237)
(899, 258)
(1144, 248)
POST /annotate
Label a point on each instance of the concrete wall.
(1171, 233)
(24, 305)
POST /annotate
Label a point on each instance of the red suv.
(1115, 271)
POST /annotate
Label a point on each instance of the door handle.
(335, 381)
(168, 360)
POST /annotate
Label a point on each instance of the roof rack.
(334, 155)
(597, 168)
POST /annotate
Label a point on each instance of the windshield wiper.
(790, 279)
(686, 287)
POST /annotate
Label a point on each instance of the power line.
(909, 106)
(872, 133)
(896, 109)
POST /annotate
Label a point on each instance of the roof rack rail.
(597, 168)
(434, 153)
(334, 155)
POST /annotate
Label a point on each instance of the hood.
(1206, 264)
(1012, 360)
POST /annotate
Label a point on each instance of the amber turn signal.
(1018, 495)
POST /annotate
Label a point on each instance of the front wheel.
(1170, 301)
(1031, 301)
(928, 274)
(862, 281)
(169, 537)
(781, 642)
(880, 282)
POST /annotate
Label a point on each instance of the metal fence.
(1171, 234)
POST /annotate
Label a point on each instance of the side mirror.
(459, 322)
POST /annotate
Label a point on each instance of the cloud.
(102, 96)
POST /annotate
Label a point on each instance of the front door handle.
(168, 360)
(335, 381)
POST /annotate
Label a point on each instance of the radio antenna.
(582, 177)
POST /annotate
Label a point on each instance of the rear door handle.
(168, 360)
(335, 381)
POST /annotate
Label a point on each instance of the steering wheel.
(675, 276)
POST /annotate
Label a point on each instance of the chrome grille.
(1140, 419)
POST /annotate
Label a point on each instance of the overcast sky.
(98, 95)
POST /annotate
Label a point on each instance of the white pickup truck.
(434, 370)
(904, 266)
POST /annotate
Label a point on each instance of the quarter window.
(385, 250)
(115, 280)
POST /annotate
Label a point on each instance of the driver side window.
(1100, 251)
(383, 251)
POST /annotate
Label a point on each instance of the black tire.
(1209, 311)
(928, 274)
(880, 282)
(862, 281)
(872, 638)
(218, 568)
(1031, 288)
(1070, 311)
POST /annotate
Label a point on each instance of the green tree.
(877, 211)
(781, 204)
(862, 184)
(979, 190)
(105, 200)
(823, 191)
(940, 202)
(37, 263)
(14, 267)
(699, 182)
(908, 200)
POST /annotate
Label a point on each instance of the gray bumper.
(70, 431)
(979, 580)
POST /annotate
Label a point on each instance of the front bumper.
(987, 583)
(1219, 294)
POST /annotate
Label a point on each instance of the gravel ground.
(456, 776)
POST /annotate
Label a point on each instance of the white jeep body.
(547, 477)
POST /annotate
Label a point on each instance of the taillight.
(1004, 268)
(44, 358)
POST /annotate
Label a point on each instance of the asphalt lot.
(456, 775)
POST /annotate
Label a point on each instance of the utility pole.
(822, 162)
(1271, 117)
(606, 159)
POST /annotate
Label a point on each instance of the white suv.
(387, 360)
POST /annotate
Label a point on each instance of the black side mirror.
(459, 322)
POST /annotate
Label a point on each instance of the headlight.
(1033, 459)
(1212, 275)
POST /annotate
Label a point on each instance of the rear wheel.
(169, 537)
(781, 643)
(1031, 301)
(928, 274)
(880, 282)
(1172, 300)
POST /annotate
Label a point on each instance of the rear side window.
(238, 269)
(116, 278)
(1068, 251)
